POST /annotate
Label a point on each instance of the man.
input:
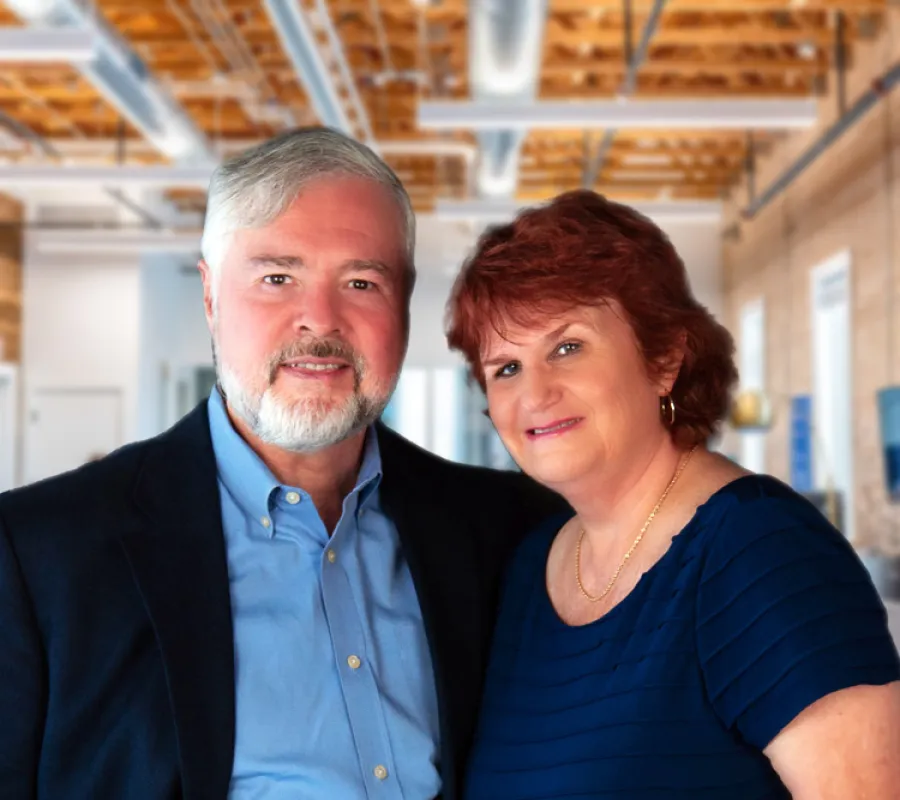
(277, 598)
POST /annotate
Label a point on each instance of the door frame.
(9, 434)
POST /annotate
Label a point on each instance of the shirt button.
(380, 772)
(332, 556)
(265, 522)
(354, 662)
(292, 497)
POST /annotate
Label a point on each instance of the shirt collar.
(250, 482)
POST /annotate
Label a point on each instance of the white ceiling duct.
(743, 114)
(120, 76)
(505, 47)
(46, 45)
(505, 44)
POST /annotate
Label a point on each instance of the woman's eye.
(567, 348)
(276, 280)
(507, 370)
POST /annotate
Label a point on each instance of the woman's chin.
(556, 473)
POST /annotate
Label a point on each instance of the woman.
(694, 630)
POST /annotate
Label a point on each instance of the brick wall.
(10, 279)
(848, 200)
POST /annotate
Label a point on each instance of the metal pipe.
(877, 91)
(840, 61)
(628, 30)
(387, 63)
(595, 165)
(24, 132)
(178, 12)
(337, 49)
(750, 164)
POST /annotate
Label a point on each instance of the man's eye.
(276, 280)
(362, 284)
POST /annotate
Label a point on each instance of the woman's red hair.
(582, 249)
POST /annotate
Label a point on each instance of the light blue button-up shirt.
(334, 693)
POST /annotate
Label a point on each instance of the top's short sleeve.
(786, 614)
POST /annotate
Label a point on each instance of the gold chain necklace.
(637, 541)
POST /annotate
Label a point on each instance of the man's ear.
(206, 275)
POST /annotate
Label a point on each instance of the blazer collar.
(179, 563)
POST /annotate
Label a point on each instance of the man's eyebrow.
(282, 262)
(366, 264)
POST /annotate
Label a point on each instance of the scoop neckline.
(699, 514)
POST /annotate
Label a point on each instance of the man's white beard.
(305, 424)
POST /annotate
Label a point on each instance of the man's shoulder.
(100, 485)
(104, 488)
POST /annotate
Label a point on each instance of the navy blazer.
(116, 644)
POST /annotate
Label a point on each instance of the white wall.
(173, 334)
(80, 331)
(700, 247)
(107, 322)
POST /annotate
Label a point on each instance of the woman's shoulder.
(759, 512)
(763, 538)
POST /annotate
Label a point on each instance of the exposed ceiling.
(229, 68)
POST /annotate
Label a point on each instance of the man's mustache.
(318, 347)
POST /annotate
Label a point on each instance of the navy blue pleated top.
(758, 609)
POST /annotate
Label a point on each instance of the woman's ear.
(670, 367)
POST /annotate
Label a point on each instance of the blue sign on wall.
(801, 443)
(889, 415)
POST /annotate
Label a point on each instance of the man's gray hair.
(256, 187)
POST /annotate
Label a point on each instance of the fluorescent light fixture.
(46, 45)
(299, 42)
(758, 114)
(121, 77)
(666, 212)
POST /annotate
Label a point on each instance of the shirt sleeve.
(786, 614)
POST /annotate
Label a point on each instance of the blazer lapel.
(179, 563)
(414, 504)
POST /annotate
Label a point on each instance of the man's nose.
(319, 312)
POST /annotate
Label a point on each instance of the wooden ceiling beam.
(709, 34)
(727, 65)
(680, 90)
(675, 6)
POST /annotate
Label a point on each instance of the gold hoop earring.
(667, 409)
